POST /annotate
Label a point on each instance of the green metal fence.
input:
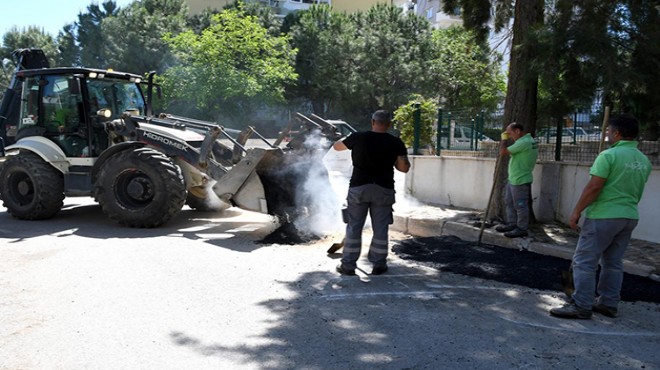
(578, 139)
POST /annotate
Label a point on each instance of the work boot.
(516, 233)
(605, 310)
(504, 228)
(570, 311)
(344, 271)
(379, 270)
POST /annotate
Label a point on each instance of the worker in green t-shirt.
(524, 152)
(609, 201)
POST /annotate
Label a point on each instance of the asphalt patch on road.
(289, 234)
(524, 268)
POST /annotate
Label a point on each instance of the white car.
(462, 138)
(569, 135)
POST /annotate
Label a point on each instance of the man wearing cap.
(524, 152)
(374, 154)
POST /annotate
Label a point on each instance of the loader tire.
(140, 188)
(31, 189)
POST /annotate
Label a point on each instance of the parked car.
(569, 135)
(462, 138)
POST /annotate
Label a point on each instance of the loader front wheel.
(140, 188)
(31, 189)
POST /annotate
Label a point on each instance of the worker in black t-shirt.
(375, 154)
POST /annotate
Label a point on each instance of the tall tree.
(135, 35)
(68, 51)
(636, 30)
(324, 62)
(90, 36)
(522, 85)
(601, 49)
(228, 70)
(392, 48)
(462, 72)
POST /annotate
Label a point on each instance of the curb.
(428, 227)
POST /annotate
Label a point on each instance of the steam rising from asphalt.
(319, 178)
(325, 210)
(317, 194)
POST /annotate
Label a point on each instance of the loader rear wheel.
(140, 188)
(31, 189)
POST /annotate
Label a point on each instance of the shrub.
(404, 120)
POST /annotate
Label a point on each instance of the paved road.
(79, 292)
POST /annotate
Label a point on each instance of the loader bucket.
(291, 179)
(276, 182)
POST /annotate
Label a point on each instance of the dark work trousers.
(516, 200)
(377, 201)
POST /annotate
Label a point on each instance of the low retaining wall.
(466, 183)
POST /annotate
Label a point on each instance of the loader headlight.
(104, 112)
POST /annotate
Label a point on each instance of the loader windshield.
(117, 95)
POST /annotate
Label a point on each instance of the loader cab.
(63, 104)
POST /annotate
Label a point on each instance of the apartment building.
(432, 11)
(284, 7)
(429, 9)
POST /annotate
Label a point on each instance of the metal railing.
(466, 133)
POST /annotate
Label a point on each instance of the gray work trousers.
(516, 200)
(601, 241)
(377, 201)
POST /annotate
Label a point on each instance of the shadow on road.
(87, 220)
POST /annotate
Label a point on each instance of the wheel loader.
(92, 132)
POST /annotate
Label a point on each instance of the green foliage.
(66, 46)
(229, 69)
(462, 72)
(135, 36)
(607, 48)
(90, 36)
(390, 63)
(325, 59)
(404, 120)
(31, 37)
(478, 14)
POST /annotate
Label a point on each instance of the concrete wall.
(467, 182)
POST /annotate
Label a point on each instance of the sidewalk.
(642, 258)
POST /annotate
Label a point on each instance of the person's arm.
(402, 163)
(589, 195)
(339, 145)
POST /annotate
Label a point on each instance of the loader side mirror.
(104, 113)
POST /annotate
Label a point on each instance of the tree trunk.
(522, 86)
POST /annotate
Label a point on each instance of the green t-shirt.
(524, 153)
(626, 171)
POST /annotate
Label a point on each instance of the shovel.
(567, 281)
(335, 247)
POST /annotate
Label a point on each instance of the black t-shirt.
(374, 155)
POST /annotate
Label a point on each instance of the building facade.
(432, 11)
(284, 7)
(429, 9)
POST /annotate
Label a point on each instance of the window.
(117, 95)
